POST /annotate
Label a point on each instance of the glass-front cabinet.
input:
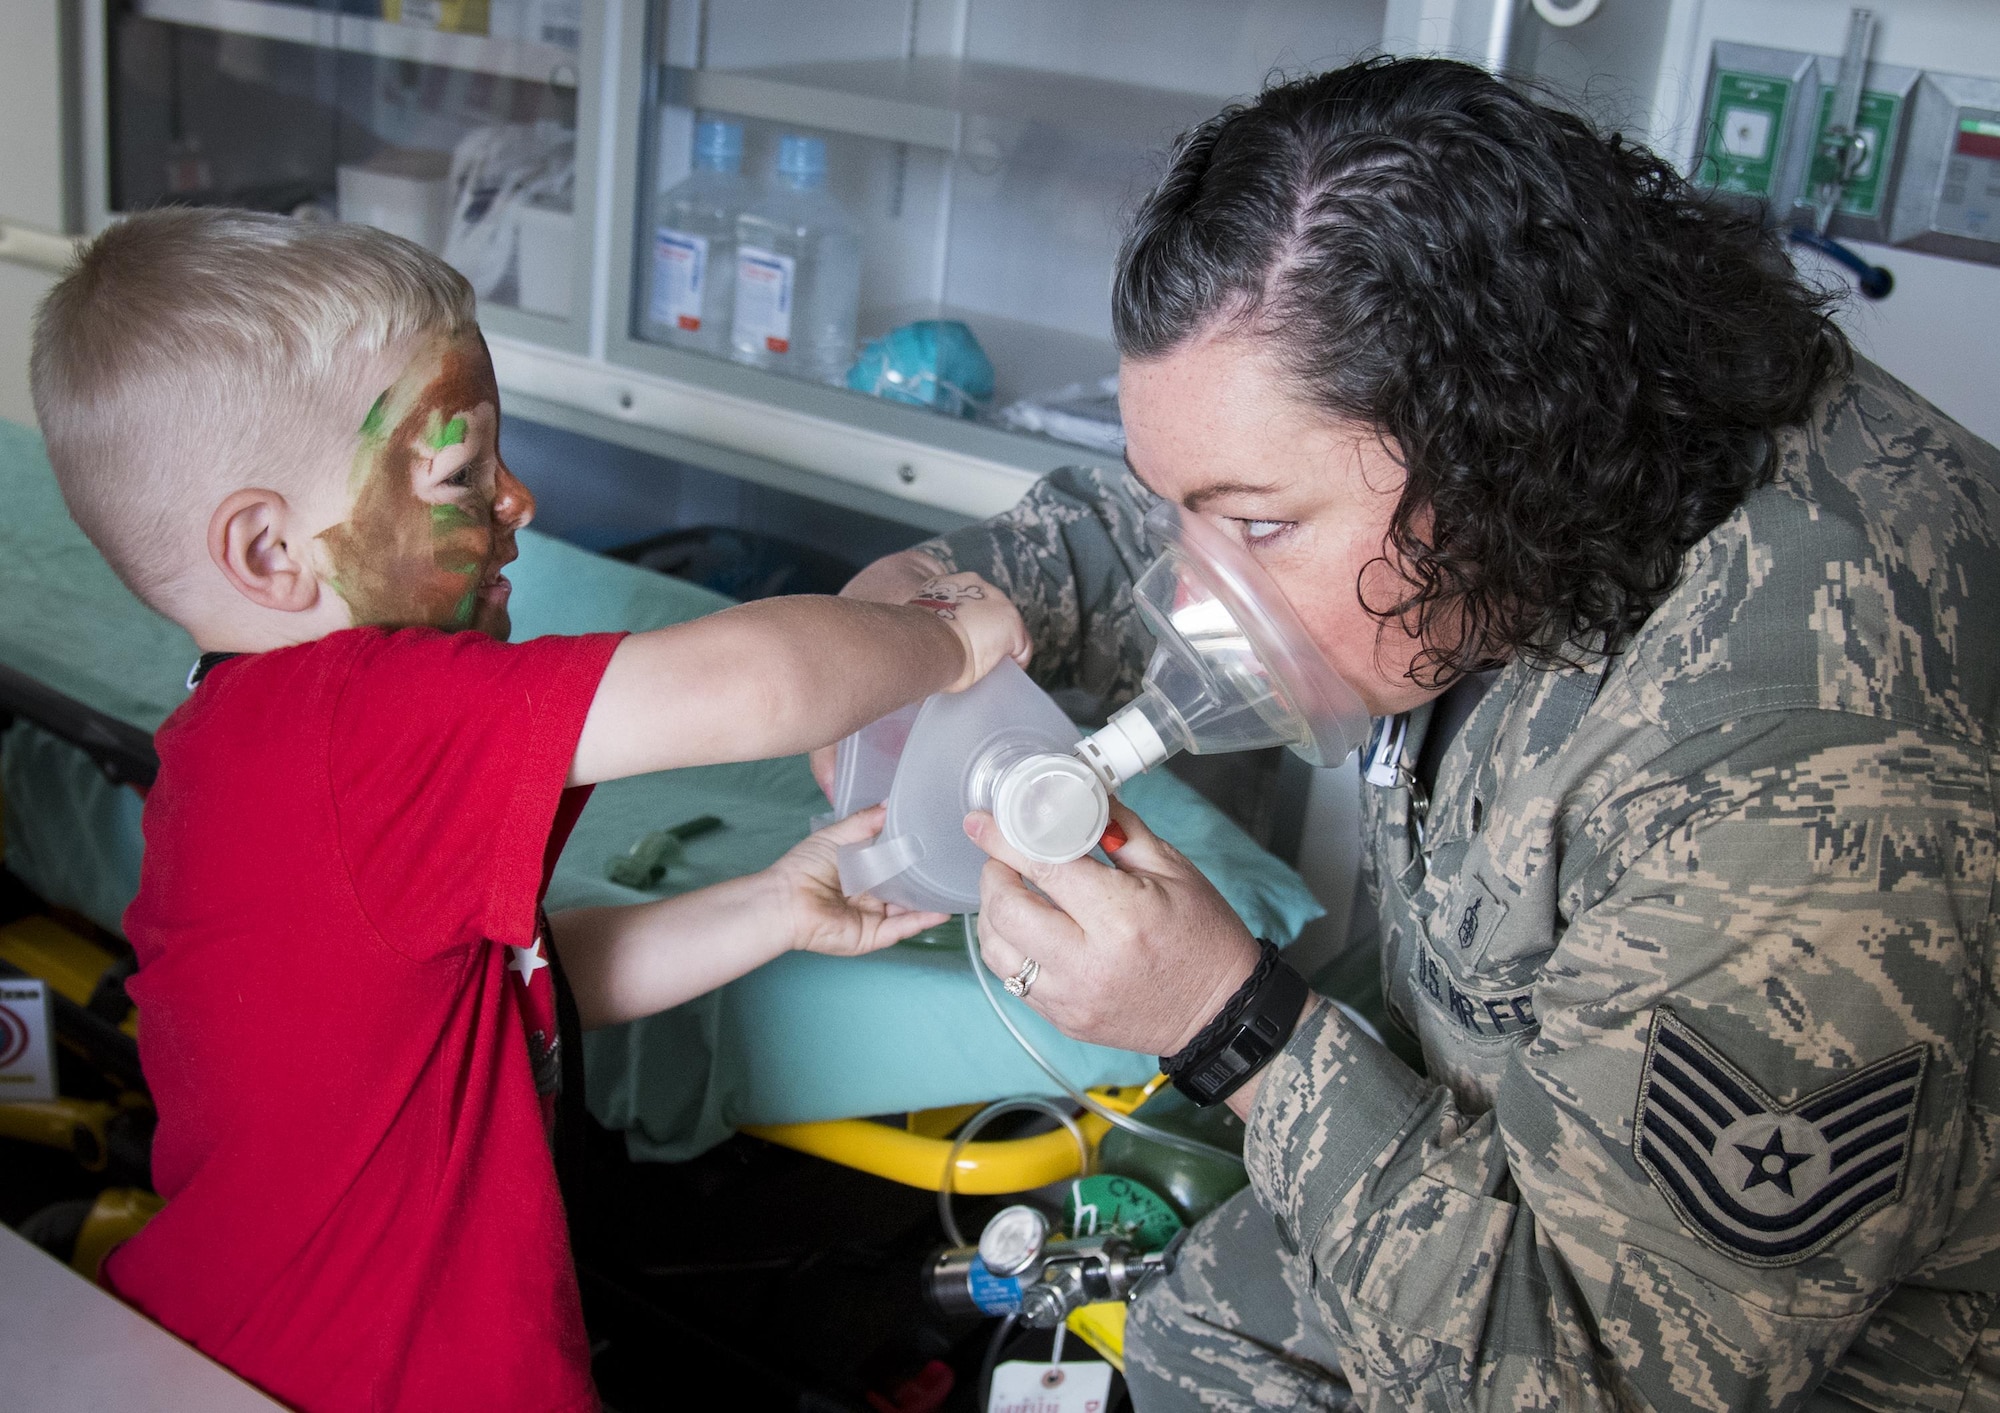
(451, 122)
(856, 248)
(904, 213)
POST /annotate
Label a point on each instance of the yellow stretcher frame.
(915, 1154)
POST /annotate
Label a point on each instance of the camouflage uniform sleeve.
(1790, 906)
(1067, 556)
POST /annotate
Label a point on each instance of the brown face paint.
(401, 558)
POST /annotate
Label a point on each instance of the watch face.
(1012, 1240)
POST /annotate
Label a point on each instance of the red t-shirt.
(338, 941)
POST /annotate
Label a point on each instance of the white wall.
(31, 129)
(32, 187)
(21, 289)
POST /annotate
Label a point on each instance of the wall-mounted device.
(1948, 202)
(1840, 148)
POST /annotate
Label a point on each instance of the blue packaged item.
(935, 363)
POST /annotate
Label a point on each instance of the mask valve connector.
(1051, 807)
(1128, 745)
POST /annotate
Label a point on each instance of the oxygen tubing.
(971, 1129)
(1077, 1096)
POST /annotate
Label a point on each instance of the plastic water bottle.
(688, 300)
(798, 272)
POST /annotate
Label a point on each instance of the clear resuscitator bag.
(938, 760)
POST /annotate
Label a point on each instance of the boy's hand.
(819, 917)
(989, 627)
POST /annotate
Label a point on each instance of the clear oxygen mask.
(1233, 669)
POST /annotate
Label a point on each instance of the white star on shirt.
(527, 961)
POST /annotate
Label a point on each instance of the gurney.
(88, 673)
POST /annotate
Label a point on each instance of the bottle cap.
(802, 160)
(718, 146)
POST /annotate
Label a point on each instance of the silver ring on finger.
(1020, 981)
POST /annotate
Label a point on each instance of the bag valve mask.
(1233, 669)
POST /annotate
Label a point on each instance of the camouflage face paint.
(430, 527)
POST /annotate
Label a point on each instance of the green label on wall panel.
(1746, 114)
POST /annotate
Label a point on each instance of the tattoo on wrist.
(938, 595)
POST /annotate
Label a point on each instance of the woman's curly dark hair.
(1578, 359)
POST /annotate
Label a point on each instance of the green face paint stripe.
(371, 425)
(462, 615)
(451, 434)
(446, 518)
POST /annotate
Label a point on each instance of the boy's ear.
(247, 539)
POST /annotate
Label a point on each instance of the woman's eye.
(1258, 531)
(461, 478)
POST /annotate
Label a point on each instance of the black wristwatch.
(1252, 1026)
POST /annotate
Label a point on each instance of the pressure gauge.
(1013, 1240)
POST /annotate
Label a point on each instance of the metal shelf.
(903, 463)
(924, 101)
(357, 34)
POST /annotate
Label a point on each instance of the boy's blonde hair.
(191, 353)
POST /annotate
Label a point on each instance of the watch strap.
(1252, 1026)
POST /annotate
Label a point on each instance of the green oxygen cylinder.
(1194, 1184)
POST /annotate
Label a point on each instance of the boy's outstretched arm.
(780, 676)
(623, 963)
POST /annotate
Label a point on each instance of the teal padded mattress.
(806, 1037)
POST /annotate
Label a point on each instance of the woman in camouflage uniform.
(1686, 887)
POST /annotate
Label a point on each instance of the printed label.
(1021, 1387)
(994, 1295)
(27, 1042)
(680, 274)
(764, 299)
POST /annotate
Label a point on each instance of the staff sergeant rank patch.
(1770, 1184)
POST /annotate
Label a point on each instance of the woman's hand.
(1139, 956)
(817, 916)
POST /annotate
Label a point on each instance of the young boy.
(284, 437)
